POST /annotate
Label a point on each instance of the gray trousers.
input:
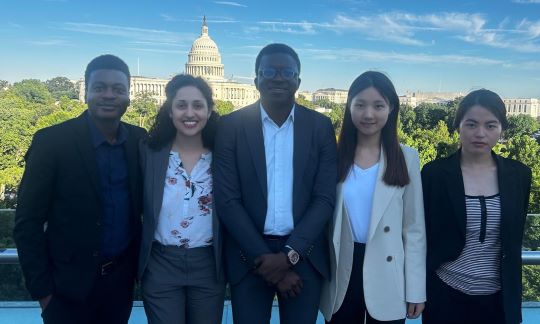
(180, 286)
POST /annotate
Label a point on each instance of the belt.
(268, 237)
(109, 265)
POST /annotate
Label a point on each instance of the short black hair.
(106, 62)
(276, 48)
(485, 98)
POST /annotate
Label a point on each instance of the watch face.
(293, 256)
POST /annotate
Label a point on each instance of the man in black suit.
(275, 184)
(77, 223)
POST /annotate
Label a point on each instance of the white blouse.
(185, 218)
(358, 189)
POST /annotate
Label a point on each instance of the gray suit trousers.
(180, 286)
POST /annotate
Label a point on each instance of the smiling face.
(479, 130)
(369, 112)
(107, 95)
(278, 90)
(189, 111)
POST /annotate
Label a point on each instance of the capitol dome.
(204, 59)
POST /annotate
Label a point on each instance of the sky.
(444, 45)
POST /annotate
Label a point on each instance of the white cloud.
(136, 33)
(230, 3)
(289, 27)
(351, 55)
(49, 42)
(526, 1)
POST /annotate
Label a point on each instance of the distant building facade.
(413, 99)
(523, 106)
(204, 60)
(333, 95)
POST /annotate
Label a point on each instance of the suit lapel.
(88, 154)
(381, 197)
(254, 136)
(456, 190)
(160, 162)
(301, 147)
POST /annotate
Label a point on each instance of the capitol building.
(204, 60)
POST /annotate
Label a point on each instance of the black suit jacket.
(241, 190)
(58, 218)
(446, 220)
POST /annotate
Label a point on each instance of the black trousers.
(252, 297)
(353, 310)
(110, 301)
(446, 305)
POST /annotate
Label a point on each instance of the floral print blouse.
(185, 218)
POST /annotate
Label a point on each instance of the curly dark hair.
(163, 131)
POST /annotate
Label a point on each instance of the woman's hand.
(414, 310)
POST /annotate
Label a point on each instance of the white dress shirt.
(279, 149)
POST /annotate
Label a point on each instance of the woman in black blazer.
(475, 207)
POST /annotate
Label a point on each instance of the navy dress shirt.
(114, 181)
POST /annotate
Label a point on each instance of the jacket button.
(387, 229)
(389, 258)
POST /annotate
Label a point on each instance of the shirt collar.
(264, 115)
(98, 138)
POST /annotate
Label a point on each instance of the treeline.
(30, 105)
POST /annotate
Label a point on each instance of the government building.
(204, 60)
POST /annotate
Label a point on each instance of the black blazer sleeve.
(33, 206)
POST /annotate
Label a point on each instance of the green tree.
(142, 110)
(4, 85)
(407, 118)
(305, 102)
(336, 116)
(451, 109)
(520, 125)
(428, 115)
(223, 107)
(62, 87)
(33, 91)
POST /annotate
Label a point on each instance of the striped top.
(477, 269)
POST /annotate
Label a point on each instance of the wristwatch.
(292, 256)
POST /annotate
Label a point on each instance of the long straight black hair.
(163, 130)
(396, 173)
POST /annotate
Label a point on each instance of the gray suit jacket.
(154, 166)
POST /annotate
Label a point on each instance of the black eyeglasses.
(270, 73)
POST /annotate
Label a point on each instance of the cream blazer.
(395, 257)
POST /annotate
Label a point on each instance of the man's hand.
(272, 267)
(291, 285)
(44, 302)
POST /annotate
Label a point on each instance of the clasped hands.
(276, 271)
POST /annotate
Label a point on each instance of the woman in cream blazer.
(389, 283)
